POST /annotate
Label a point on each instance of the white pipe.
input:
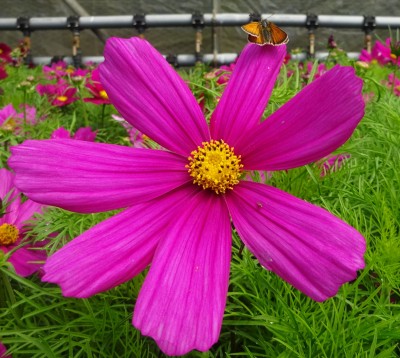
(223, 19)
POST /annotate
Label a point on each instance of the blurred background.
(181, 39)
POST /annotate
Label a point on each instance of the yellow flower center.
(215, 166)
(1, 51)
(8, 234)
(393, 56)
(9, 125)
(103, 94)
(62, 98)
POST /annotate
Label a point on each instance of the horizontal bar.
(190, 60)
(222, 19)
(383, 22)
(340, 21)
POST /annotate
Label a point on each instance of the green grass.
(264, 317)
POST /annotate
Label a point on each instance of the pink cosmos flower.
(79, 75)
(3, 73)
(27, 259)
(333, 163)
(7, 117)
(96, 89)
(368, 97)
(3, 351)
(55, 70)
(180, 202)
(83, 133)
(394, 83)
(137, 138)
(380, 53)
(224, 73)
(5, 53)
(321, 69)
(258, 176)
(12, 120)
(59, 94)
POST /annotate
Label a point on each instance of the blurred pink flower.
(368, 97)
(224, 73)
(96, 89)
(12, 120)
(28, 258)
(83, 133)
(59, 94)
(8, 115)
(79, 75)
(3, 73)
(3, 351)
(333, 163)
(380, 53)
(258, 176)
(321, 69)
(394, 83)
(5, 53)
(55, 70)
(137, 138)
(180, 203)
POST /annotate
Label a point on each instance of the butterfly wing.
(258, 40)
(276, 35)
(253, 28)
(254, 31)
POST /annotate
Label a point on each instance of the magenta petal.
(182, 300)
(305, 245)
(28, 259)
(151, 96)
(310, 126)
(9, 191)
(6, 183)
(26, 212)
(115, 250)
(246, 95)
(90, 177)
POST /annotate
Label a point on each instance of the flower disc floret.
(8, 234)
(215, 166)
(62, 98)
(103, 94)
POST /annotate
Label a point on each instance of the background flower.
(59, 94)
(26, 259)
(96, 89)
(83, 133)
(3, 351)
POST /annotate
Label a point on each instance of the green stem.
(24, 107)
(103, 110)
(6, 291)
(396, 66)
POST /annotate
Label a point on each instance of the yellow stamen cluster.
(103, 94)
(62, 98)
(215, 166)
(9, 125)
(8, 234)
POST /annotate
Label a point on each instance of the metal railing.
(141, 22)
